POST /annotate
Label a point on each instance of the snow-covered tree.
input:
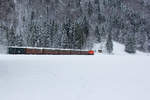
(19, 40)
(97, 34)
(101, 18)
(11, 37)
(85, 27)
(90, 9)
(130, 43)
(80, 37)
(33, 34)
(109, 44)
(31, 19)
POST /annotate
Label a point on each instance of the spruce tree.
(68, 32)
(90, 9)
(78, 3)
(64, 37)
(56, 35)
(146, 45)
(96, 1)
(97, 34)
(39, 35)
(97, 5)
(101, 18)
(80, 37)
(109, 44)
(130, 44)
(46, 33)
(19, 40)
(11, 38)
(85, 27)
(33, 35)
(52, 34)
(103, 33)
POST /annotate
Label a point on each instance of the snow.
(3, 49)
(99, 77)
(118, 49)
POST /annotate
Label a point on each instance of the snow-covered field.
(119, 76)
(99, 77)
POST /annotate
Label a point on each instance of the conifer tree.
(19, 40)
(101, 18)
(64, 37)
(46, 33)
(78, 3)
(56, 35)
(96, 1)
(80, 37)
(85, 27)
(103, 33)
(146, 45)
(90, 9)
(11, 38)
(97, 5)
(109, 44)
(130, 43)
(33, 34)
(97, 34)
(52, 33)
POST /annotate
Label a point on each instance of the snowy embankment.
(100, 77)
(3, 50)
(118, 49)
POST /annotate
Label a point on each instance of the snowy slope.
(3, 49)
(118, 49)
(100, 77)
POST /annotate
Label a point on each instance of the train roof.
(47, 48)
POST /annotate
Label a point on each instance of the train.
(46, 51)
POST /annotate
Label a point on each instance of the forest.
(75, 24)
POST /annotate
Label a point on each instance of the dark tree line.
(73, 34)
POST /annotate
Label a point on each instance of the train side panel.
(75, 52)
(64, 52)
(50, 52)
(84, 52)
(12, 50)
(34, 51)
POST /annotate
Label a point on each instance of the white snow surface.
(99, 77)
(3, 49)
(119, 76)
(118, 49)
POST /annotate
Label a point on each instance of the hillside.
(118, 50)
(74, 24)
